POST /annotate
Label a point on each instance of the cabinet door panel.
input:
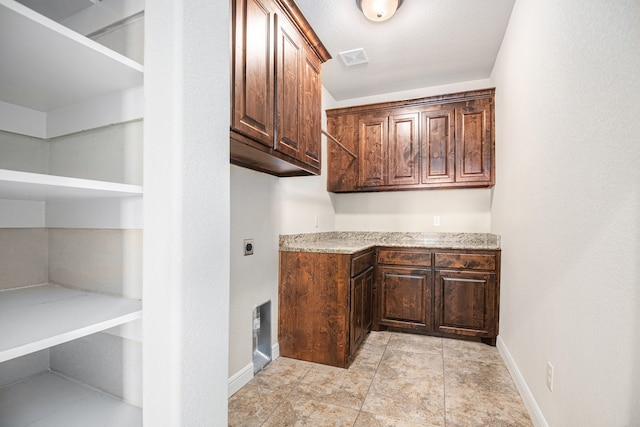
(359, 325)
(357, 314)
(342, 168)
(465, 302)
(372, 151)
(362, 262)
(311, 109)
(289, 53)
(465, 261)
(404, 149)
(473, 143)
(438, 155)
(406, 298)
(253, 97)
(368, 299)
(412, 258)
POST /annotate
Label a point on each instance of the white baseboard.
(244, 375)
(240, 379)
(530, 403)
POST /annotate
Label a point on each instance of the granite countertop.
(350, 242)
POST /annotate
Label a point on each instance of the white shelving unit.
(18, 185)
(46, 66)
(49, 72)
(37, 317)
(49, 400)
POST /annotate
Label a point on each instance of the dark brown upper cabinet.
(442, 141)
(276, 91)
(388, 150)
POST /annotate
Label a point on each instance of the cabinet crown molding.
(414, 102)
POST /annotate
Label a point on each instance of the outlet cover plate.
(248, 246)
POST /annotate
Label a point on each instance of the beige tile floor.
(396, 380)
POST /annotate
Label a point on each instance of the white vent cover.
(354, 57)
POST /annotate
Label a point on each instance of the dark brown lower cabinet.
(465, 302)
(438, 292)
(328, 302)
(361, 304)
(406, 298)
(324, 304)
(467, 293)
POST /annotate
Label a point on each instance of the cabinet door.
(404, 150)
(289, 60)
(437, 151)
(372, 153)
(474, 142)
(361, 308)
(253, 68)
(406, 298)
(465, 303)
(311, 109)
(342, 167)
(299, 96)
(357, 325)
(368, 299)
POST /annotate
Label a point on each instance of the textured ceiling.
(426, 43)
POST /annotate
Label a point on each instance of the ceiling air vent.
(354, 57)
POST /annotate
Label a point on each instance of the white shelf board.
(46, 66)
(38, 317)
(50, 400)
(17, 185)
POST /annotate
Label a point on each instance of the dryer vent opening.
(261, 336)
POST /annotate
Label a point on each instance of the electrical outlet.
(436, 220)
(549, 376)
(248, 247)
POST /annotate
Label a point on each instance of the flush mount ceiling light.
(378, 10)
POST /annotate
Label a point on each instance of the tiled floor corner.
(396, 379)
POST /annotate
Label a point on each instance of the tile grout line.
(372, 378)
(284, 399)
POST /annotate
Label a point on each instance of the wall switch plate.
(549, 376)
(436, 220)
(248, 247)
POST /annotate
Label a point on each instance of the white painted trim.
(244, 375)
(240, 379)
(537, 417)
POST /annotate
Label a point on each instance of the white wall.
(459, 210)
(254, 279)
(187, 225)
(109, 153)
(567, 204)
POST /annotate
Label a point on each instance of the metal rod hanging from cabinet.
(331, 137)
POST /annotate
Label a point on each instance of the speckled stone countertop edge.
(342, 242)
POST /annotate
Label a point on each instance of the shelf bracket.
(332, 138)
